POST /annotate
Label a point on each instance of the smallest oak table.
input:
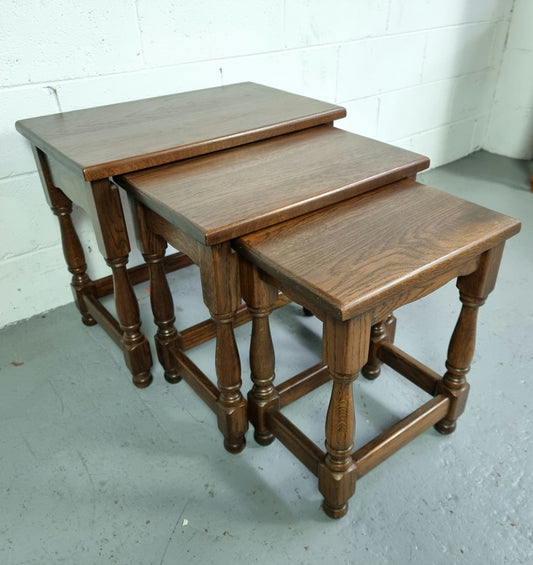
(76, 153)
(351, 265)
(200, 205)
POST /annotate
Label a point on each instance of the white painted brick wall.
(372, 66)
(317, 22)
(182, 32)
(20, 200)
(311, 72)
(43, 41)
(15, 154)
(510, 130)
(110, 89)
(433, 76)
(468, 50)
(431, 14)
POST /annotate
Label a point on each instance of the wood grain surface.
(224, 195)
(384, 245)
(115, 139)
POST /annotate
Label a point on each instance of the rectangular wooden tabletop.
(362, 251)
(119, 138)
(224, 195)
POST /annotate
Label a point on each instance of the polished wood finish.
(153, 248)
(381, 332)
(407, 366)
(474, 289)
(77, 151)
(108, 208)
(261, 353)
(345, 351)
(351, 264)
(200, 205)
(400, 434)
(140, 273)
(302, 383)
(227, 194)
(119, 138)
(421, 233)
(61, 206)
(220, 288)
(294, 439)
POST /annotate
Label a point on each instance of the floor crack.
(173, 532)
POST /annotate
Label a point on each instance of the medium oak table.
(200, 205)
(76, 153)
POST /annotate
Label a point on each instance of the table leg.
(220, 286)
(473, 291)
(260, 298)
(112, 236)
(346, 346)
(102, 202)
(167, 338)
(382, 332)
(61, 206)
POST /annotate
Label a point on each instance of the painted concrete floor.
(94, 470)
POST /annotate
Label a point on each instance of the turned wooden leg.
(383, 332)
(221, 291)
(102, 202)
(81, 284)
(260, 298)
(346, 346)
(110, 228)
(133, 341)
(232, 412)
(390, 325)
(167, 337)
(61, 206)
(473, 291)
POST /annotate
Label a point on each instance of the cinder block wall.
(421, 74)
(510, 129)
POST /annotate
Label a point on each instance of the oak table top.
(77, 152)
(405, 231)
(222, 196)
(118, 138)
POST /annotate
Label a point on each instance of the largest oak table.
(77, 152)
(201, 205)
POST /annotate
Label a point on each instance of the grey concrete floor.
(94, 470)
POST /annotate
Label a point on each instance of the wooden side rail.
(139, 273)
(197, 380)
(401, 433)
(193, 336)
(206, 330)
(408, 367)
(103, 317)
(371, 454)
(299, 385)
(295, 440)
